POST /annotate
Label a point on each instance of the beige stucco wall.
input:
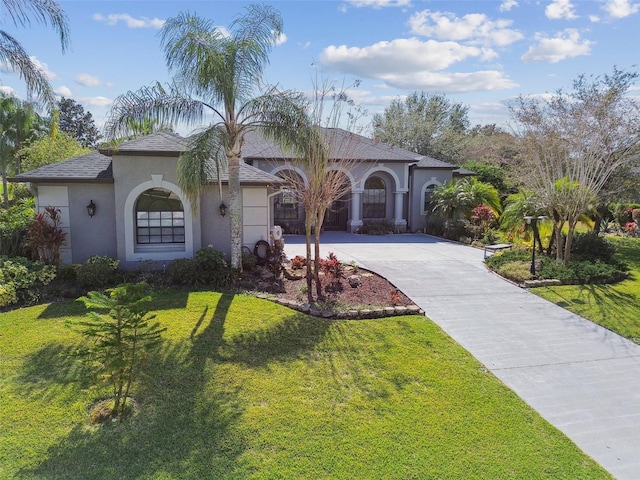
(421, 177)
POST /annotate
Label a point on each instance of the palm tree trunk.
(235, 208)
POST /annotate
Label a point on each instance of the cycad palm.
(217, 73)
(11, 52)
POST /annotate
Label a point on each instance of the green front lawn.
(617, 306)
(244, 388)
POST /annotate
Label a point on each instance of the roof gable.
(159, 144)
(91, 167)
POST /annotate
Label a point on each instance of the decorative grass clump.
(243, 388)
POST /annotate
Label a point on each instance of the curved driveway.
(582, 378)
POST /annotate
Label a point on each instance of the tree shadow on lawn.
(189, 424)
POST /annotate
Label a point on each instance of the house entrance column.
(356, 222)
(399, 222)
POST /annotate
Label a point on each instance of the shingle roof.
(92, 167)
(159, 143)
(249, 174)
(429, 162)
(343, 144)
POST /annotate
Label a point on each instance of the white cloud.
(44, 68)
(377, 4)
(131, 22)
(566, 44)
(282, 38)
(96, 101)
(594, 18)
(446, 82)
(507, 5)
(7, 91)
(87, 80)
(560, 9)
(63, 91)
(473, 27)
(621, 8)
(414, 64)
(401, 55)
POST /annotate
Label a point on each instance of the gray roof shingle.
(429, 162)
(159, 143)
(92, 167)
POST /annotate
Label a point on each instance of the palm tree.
(460, 197)
(11, 52)
(219, 73)
(18, 123)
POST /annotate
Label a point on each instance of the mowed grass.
(246, 389)
(617, 306)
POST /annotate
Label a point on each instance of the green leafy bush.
(458, 230)
(581, 272)
(22, 281)
(591, 246)
(98, 272)
(14, 226)
(207, 268)
(376, 228)
(249, 261)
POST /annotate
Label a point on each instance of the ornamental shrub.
(591, 246)
(581, 272)
(517, 271)
(14, 227)
(46, 237)
(22, 281)
(98, 272)
(207, 268)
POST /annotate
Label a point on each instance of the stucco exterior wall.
(97, 235)
(133, 175)
(421, 177)
(216, 229)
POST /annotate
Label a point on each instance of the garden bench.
(496, 248)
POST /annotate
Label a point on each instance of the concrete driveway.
(582, 378)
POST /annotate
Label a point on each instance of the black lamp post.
(533, 221)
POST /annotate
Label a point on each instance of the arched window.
(427, 206)
(159, 218)
(374, 199)
(285, 207)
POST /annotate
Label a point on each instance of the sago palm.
(216, 72)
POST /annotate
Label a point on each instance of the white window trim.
(169, 251)
(431, 183)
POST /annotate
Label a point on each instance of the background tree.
(18, 123)
(21, 13)
(425, 124)
(48, 150)
(218, 72)
(490, 144)
(572, 143)
(77, 123)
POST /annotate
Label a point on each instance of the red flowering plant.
(631, 229)
(45, 236)
(483, 216)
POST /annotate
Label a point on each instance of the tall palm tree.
(22, 12)
(218, 73)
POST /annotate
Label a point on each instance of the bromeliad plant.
(120, 338)
(45, 236)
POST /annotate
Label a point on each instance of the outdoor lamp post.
(533, 221)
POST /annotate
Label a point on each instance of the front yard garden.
(244, 388)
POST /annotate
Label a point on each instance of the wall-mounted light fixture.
(91, 209)
(223, 209)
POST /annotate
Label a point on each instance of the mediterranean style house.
(126, 203)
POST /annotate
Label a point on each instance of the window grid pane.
(159, 220)
(374, 199)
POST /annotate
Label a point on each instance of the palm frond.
(165, 106)
(203, 160)
(47, 12)
(13, 54)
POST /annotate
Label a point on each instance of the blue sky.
(478, 52)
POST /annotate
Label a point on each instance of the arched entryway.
(337, 216)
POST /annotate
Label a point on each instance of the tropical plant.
(216, 71)
(120, 338)
(18, 123)
(45, 236)
(458, 198)
(22, 12)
